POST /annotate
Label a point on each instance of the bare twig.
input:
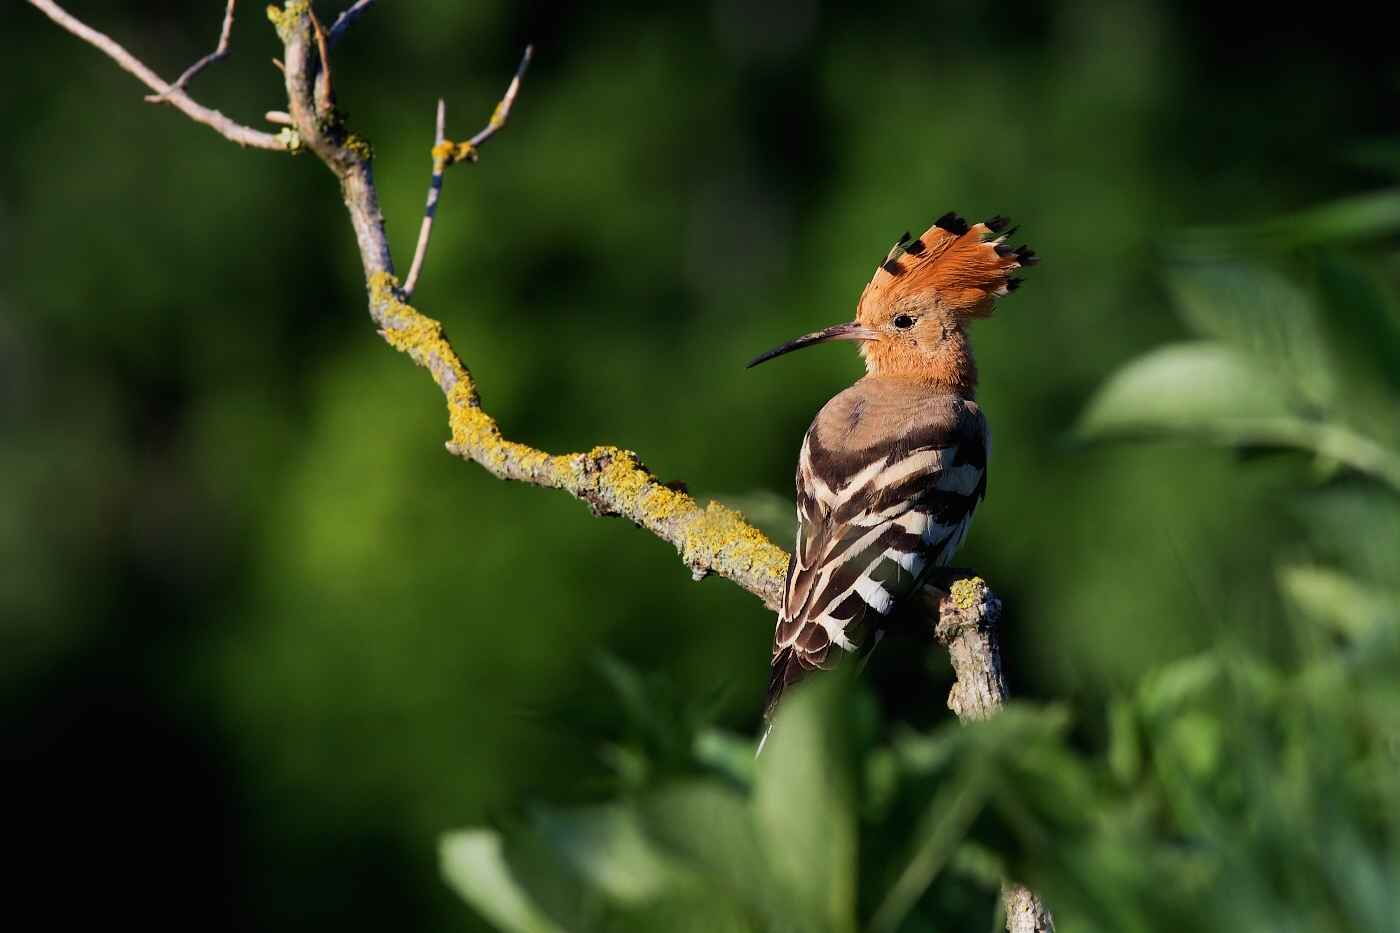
(502, 112)
(229, 129)
(425, 232)
(345, 20)
(447, 153)
(325, 89)
(219, 54)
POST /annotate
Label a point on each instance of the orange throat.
(952, 369)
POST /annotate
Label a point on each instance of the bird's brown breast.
(884, 417)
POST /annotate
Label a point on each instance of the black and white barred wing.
(866, 539)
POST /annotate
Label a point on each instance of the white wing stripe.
(875, 595)
(962, 480)
(916, 463)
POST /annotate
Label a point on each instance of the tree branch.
(219, 54)
(446, 152)
(176, 96)
(611, 481)
(966, 616)
(1024, 911)
(345, 20)
(441, 152)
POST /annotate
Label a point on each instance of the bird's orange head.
(912, 317)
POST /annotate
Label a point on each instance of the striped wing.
(870, 524)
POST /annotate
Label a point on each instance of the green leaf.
(1203, 389)
(803, 809)
(1163, 693)
(945, 824)
(1210, 392)
(1364, 216)
(726, 753)
(473, 864)
(711, 826)
(606, 846)
(1339, 601)
(1363, 315)
(1261, 313)
(1356, 528)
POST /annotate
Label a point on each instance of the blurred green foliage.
(1238, 789)
(259, 626)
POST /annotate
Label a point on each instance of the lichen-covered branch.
(610, 481)
(167, 93)
(965, 613)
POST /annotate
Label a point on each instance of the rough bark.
(1024, 912)
(966, 615)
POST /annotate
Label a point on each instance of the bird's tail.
(787, 668)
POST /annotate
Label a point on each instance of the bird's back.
(890, 475)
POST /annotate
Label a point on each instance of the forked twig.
(502, 111)
(425, 232)
(176, 96)
(447, 153)
(345, 20)
(219, 54)
(325, 98)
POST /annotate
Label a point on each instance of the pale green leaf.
(1209, 392)
(726, 753)
(1373, 214)
(1261, 313)
(803, 809)
(711, 826)
(1202, 388)
(474, 865)
(1364, 216)
(606, 845)
(1337, 600)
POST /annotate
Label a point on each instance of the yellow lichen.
(714, 539)
(967, 592)
(284, 20)
(449, 153)
(360, 146)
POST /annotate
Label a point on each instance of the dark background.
(262, 639)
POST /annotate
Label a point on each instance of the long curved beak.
(851, 331)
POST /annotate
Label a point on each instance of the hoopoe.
(892, 469)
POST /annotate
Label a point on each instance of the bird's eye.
(903, 321)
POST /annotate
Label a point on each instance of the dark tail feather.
(786, 669)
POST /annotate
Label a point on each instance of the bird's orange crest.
(955, 270)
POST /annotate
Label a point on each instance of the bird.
(892, 469)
